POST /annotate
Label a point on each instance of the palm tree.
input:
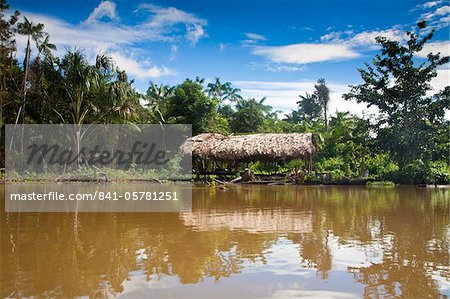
(33, 32)
(216, 89)
(98, 92)
(263, 107)
(343, 124)
(250, 115)
(157, 96)
(45, 47)
(122, 99)
(223, 91)
(309, 108)
(232, 94)
(323, 95)
(199, 80)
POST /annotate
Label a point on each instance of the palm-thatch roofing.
(252, 147)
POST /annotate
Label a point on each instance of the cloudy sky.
(276, 49)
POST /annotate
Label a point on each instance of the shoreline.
(219, 183)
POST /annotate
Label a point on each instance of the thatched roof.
(252, 147)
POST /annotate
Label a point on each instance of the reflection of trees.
(67, 255)
(315, 252)
(412, 228)
(417, 246)
(394, 277)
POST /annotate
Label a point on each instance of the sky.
(274, 49)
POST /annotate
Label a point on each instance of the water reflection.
(276, 241)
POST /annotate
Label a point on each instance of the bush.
(380, 166)
(335, 165)
(300, 164)
(266, 167)
(438, 172)
(380, 184)
(419, 172)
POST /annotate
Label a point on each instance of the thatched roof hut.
(252, 147)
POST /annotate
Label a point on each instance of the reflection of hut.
(253, 147)
(251, 221)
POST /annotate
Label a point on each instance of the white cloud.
(427, 5)
(141, 69)
(285, 95)
(99, 36)
(306, 28)
(173, 52)
(435, 47)
(166, 19)
(277, 67)
(104, 9)
(336, 45)
(438, 15)
(365, 38)
(253, 38)
(162, 25)
(441, 80)
(194, 33)
(222, 47)
(96, 38)
(305, 53)
(331, 36)
(431, 4)
(444, 21)
(368, 37)
(441, 11)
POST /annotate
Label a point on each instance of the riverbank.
(213, 180)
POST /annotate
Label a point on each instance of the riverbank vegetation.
(408, 142)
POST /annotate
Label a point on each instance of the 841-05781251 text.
(97, 195)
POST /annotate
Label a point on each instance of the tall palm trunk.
(21, 114)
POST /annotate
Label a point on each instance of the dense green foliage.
(411, 118)
(190, 105)
(408, 142)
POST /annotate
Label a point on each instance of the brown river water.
(245, 242)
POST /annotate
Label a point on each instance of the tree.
(323, 97)
(45, 47)
(226, 111)
(347, 145)
(398, 84)
(216, 89)
(232, 94)
(189, 105)
(157, 97)
(223, 91)
(7, 40)
(122, 103)
(96, 93)
(250, 115)
(33, 32)
(309, 109)
(200, 80)
(9, 70)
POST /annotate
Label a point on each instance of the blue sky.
(267, 48)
